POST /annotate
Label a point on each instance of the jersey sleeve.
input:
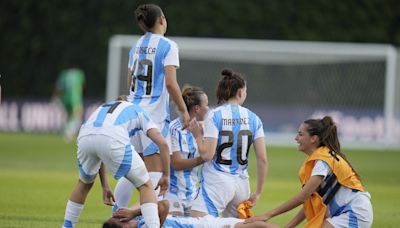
(172, 56)
(210, 126)
(130, 62)
(320, 169)
(175, 135)
(259, 132)
(147, 123)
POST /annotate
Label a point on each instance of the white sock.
(150, 215)
(123, 192)
(72, 213)
(154, 179)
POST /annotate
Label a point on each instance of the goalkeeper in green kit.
(68, 90)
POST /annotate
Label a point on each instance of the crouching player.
(105, 137)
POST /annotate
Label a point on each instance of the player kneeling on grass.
(105, 137)
(129, 218)
(332, 193)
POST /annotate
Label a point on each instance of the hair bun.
(327, 121)
(227, 72)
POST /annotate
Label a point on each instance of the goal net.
(288, 82)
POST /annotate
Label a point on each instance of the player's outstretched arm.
(180, 163)
(262, 168)
(176, 95)
(108, 197)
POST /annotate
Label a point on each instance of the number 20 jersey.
(147, 60)
(235, 128)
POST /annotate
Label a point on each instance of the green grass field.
(37, 173)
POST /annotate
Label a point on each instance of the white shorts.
(221, 193)
(182, 205)
(120, 159)
(144, 145)
(359, 213)
(207, 221)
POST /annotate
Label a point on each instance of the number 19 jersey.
(147, 60)
(235, 128)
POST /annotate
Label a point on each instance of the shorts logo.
(176, 204)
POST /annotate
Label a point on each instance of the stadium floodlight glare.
(290, 81)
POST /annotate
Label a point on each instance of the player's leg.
(124, 189)
(88, 164)
(242, 194)
(197, 206)
(122, 160)
(175, 207)
(218, 189)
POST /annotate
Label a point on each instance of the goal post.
(290, 81)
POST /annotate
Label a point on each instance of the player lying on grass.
(129, 218)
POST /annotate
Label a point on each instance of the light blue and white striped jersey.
(147, 60)
(117, 119)
(208, 221)
(183, 183)
(235, 127)
(343, 199)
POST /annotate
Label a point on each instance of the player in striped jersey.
(185, 156)
(332, 193)
(230, 130)
(105, 138)
(153, 61)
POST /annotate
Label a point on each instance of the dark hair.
(191, 96)
(146, 15)
(326, 131)
(228, 86)
(111, 223)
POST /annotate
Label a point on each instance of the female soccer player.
(105, 138)
(185, 156)
(230, 130)
(332, 193)
(153, 61)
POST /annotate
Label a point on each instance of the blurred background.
(41, 38)
(301, 59)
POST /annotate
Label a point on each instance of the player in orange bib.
(332, 193)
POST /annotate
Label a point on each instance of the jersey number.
(148, 78)
(228, 144)
(112, 107)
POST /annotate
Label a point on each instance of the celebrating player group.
(192, 171)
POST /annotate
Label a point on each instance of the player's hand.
(196, 128)
(123, 214)
(185, 119)
(163, 184)
(254, 199)
(108, 197)
(262, 218)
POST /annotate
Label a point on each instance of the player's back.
(183, 182)
(235, 128)
(117, 119)
(147, 59)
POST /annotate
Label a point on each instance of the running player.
(105, 137)
(332, 194)
(153, 61)
(185, 156)
(230, 130)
